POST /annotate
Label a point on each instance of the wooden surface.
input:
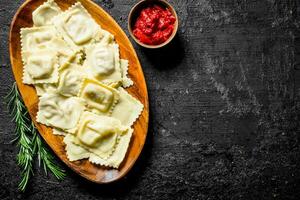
(95, 173)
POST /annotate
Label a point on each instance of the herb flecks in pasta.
(64, 52)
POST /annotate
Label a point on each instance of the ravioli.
(126, 81)
(79, 77)
(43, 15)
(99, 134)
(60, 112)
(77, 152)
(74, 152)
(118, 155)
(103, 62)
(77, 27)
(106, 38)
(128, 109)
(42, 88)
(64, 52)
(40, 67)
(70, 79)
(100, 98)
(37, 38)
(57, 131)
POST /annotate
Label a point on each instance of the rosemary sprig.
(19, 115)
(45, 157)
(28, 141)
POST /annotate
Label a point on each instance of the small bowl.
(135, 11)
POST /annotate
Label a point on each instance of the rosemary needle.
(45, 157)
(28, 141)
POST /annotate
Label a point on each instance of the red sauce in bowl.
(154, 25)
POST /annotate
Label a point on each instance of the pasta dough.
(118, 155)
(57, 131)
(99, 97)
(45, 38)
(99, 134)
(77, 27)
(77, 72)
(128, 109)
(126, 82)
(40, 67)
(60, 112)
(74, 152)
(36, 38)
(64, 52)
(77, 152)
(107, 37)
(103, 62)
(70, 79)
(45, 88)
(43, 14)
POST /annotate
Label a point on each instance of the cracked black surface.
(224, 108)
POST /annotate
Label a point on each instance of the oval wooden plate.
(95, 173)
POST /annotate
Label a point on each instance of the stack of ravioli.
(79, 77)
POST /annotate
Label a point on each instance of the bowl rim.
(141, 3)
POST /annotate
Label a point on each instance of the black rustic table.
(224, 117)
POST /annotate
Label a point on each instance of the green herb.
(28, 141)
(45, 157)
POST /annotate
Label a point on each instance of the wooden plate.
(95, 173)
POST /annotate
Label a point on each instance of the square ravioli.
(118, 155)
(43, 15)
(128, 108)
(99, 134)
(61, 112)
(103, 62)
(37, 38)
(40, 67)
(77, 27)
(99, 98)
(45, 38)
(77, 152)
(70, 79)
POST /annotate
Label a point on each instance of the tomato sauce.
(154, 25)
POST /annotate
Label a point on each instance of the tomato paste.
(154, 25)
